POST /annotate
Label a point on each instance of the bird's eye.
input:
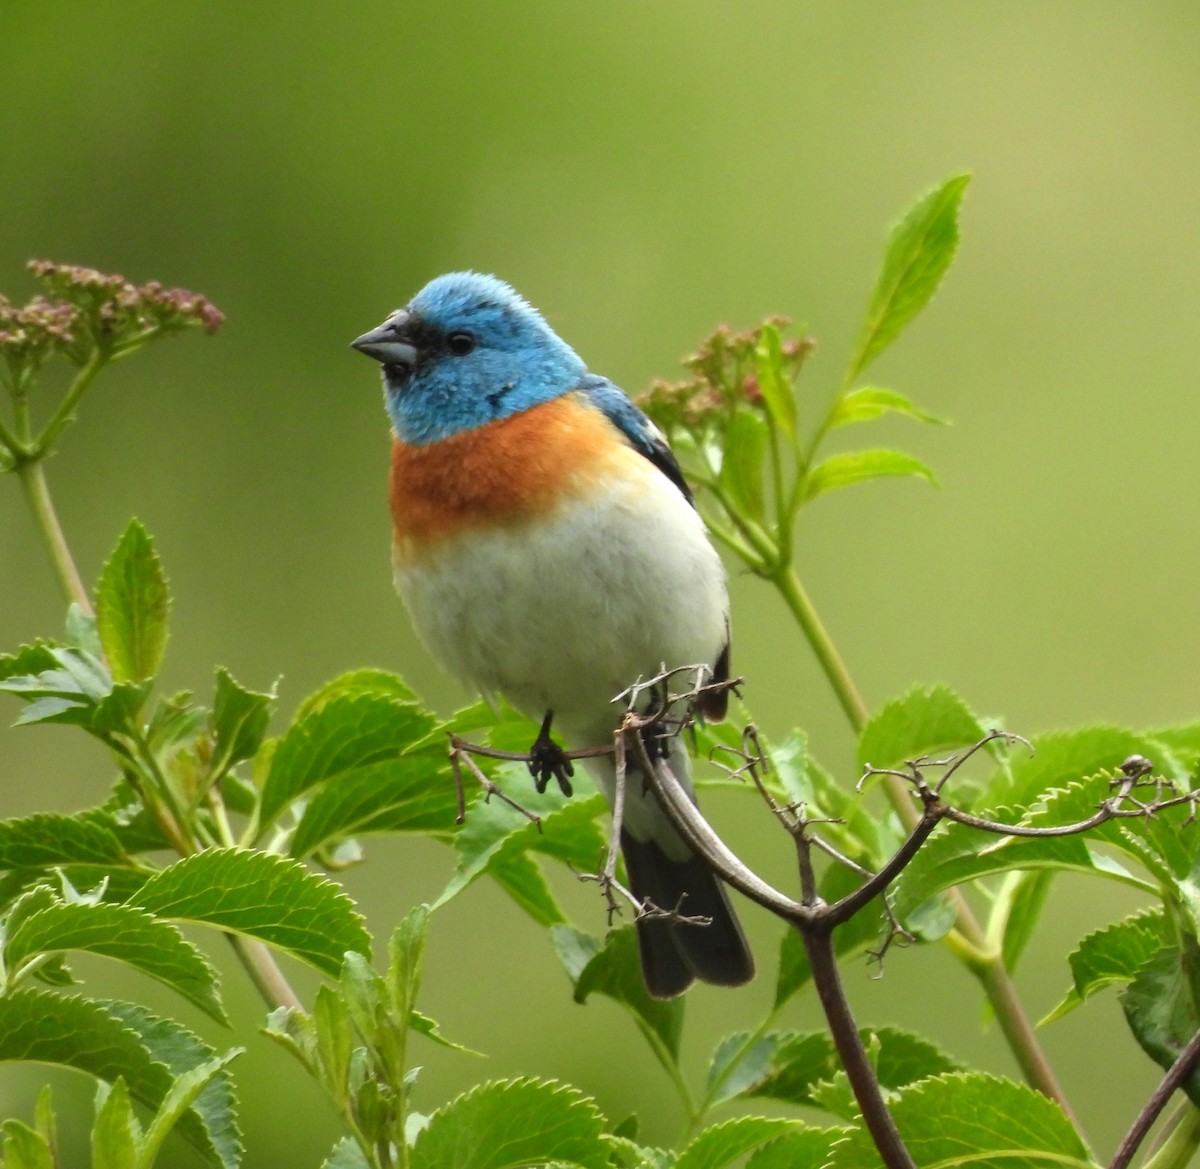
(460, 344)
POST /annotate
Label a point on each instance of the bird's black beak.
(389, 344)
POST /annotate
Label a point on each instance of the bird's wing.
(641, 433)
(647, 439)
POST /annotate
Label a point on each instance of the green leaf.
(870, 402)
(845, 470)
(36, 658)
(345, 1155)
(414, 793)
(25, 1148)
(334, 1042)
(804, 1068)
(774, 384)
(495, 833)
(796, 777)
(382, 683)
(116, 1133)
(239, 721)
(180, 1051)
(1112, 955)
(81, 631)
(743, 463)
(50, 838)
(406, 953)
(262, 896)
(185, 1091)
(513, 1123)
(1027, 900)
(957, 853)
(1061, 757)
(810, 1148)
(1160, 1007)
(111, 1040)
(976, 1119)
(520, 876)
(722, 1144)
(735, 1067)
(132, 606)
(424, 1025)
(615, 972)
(925, 720)
(129, 935)
(332, 740)
(919, 251)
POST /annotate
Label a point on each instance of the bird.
(548, 550)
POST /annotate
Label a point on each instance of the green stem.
(66, 408)
(37, 492)
(798, 601)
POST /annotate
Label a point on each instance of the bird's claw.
(547, 760)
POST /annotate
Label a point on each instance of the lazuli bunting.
(548, 550)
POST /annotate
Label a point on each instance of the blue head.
(465, 351)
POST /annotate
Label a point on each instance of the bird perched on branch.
(548, 550)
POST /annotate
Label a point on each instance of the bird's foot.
(547, 760)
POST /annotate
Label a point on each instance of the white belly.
(565, 613)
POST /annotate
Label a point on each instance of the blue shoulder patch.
(643, 435)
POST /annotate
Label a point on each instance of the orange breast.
(501, 473)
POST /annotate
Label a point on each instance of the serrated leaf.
(116, 1133)
(513, 1123)
(973, 1118)
(1160, 1006)
(615, 972)
(334, 739)
(774, 384)
(1112, 955)
(494, 833)
(29, 660)
(919, 251)
(382, 683)
(743, 463)
(847, 469)
(263, 896)
(129, 935)
(956, 853)
(722, 1144)
(810, 1148)
(239, 721)
(870, 402)
(920, 722)
(132, 607)
(414, 793)
(345, 1155)
(1061, 757)
(50, 838)
(172, 1045)
(103, 1040)
(185, 1091)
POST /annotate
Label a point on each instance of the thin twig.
(1175, 1076)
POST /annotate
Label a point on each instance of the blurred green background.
(640, 172)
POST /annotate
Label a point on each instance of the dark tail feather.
(674, 954)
